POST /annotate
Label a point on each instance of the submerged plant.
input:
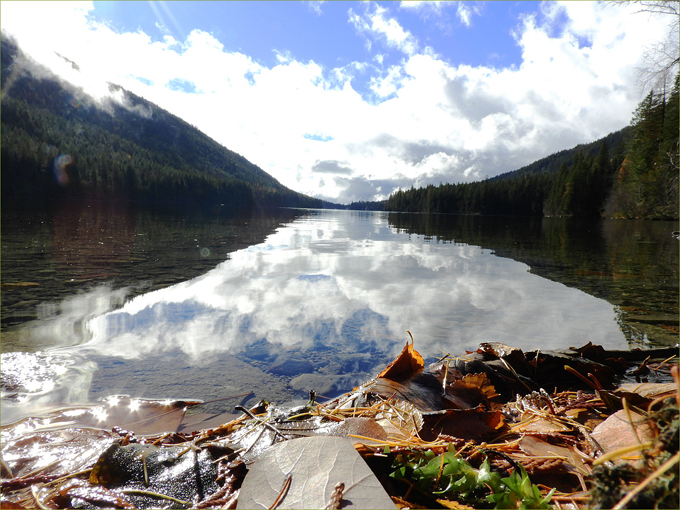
(450, 474)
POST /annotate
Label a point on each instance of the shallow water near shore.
(100, 301)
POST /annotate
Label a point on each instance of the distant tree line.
(362, 205)
(632, 173)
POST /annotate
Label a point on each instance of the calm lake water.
(100, 300)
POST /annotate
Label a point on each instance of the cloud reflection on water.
(309, 280)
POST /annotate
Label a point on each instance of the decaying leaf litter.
(494, 428)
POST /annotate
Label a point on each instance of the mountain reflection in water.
(322, 304)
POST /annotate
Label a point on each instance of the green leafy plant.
(448, 474)
(519, 492)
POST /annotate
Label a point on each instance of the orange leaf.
(405, 366)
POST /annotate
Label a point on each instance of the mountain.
(616, 142)
(573, 182)
(59, 142)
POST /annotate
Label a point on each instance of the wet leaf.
(180, 472)
(315, 465)
(100, 496)
(142, 416)
(55, 452)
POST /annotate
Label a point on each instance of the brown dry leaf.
(406, 365)
(587, 417)
(537, 447)
(424, 390)
(365, 428)
(424, 397)
(649, 390)
(617, 432)
(446, 503)
(402, 503)
(469, 424)
(471, 390)
(541, 425)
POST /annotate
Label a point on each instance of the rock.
(290, 366)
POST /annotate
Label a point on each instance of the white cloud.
(376, 22)
(422, 120)
(315, 6)
(465, 13)
(435, 12)
(418, 5)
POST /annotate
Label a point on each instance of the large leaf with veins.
(315, 466)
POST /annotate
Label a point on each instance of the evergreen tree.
(647, 181)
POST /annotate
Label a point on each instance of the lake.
(100, 299)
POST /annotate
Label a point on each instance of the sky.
(349, 101)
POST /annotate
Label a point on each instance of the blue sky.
(324, 33)
(353, 100)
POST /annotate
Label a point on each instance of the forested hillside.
(58, 142)
(632, 173)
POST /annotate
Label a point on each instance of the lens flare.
(59, 168)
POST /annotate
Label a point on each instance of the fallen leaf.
(469, 424)
(471, 390)
(537, 447)
(363, 427)
(176, 471)
(542, 425)
(406, 365)
(423, 391)
(617, 432)
(455, 505)
(315, 466)
(51, 452)
(402, 503)
(142, 416)
(649, 390)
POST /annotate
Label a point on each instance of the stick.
(270, 427)
(155, 495)
(284, 491)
